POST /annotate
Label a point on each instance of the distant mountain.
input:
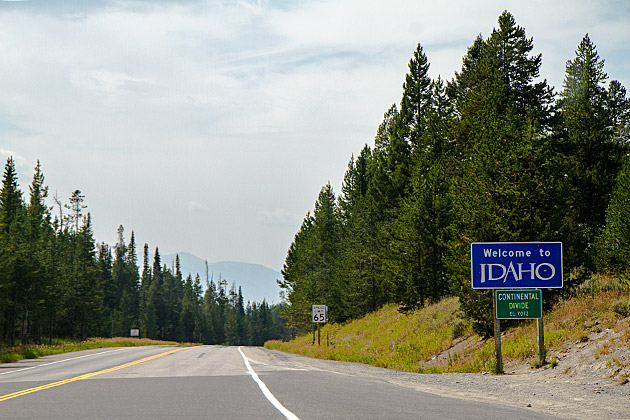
(257, 281)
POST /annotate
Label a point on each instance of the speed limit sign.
(319, 313)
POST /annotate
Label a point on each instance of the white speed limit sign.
(319, 313)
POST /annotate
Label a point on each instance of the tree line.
(57, 282)
(493, 155)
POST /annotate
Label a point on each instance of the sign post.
(320, 316)
(542, 352)
(516, 265)
(497, 336)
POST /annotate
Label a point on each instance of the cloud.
(276, 217)
(196, 206)
(110, 82)
(19, 160)
(237, 102)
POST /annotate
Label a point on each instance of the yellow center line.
(87, 375)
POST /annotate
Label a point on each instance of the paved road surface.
(216, 382)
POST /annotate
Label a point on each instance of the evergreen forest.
(56, 282)
(493, 155)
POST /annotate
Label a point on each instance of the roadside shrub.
(622, 307)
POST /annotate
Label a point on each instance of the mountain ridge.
(256, 281)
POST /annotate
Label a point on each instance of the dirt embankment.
(587, 379)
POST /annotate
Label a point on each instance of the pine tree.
(85, 298)
(613, 245)
(33, 278)
(51, 301)
(502, 190)
(119, 279)
(76, 207)
(311, 270)
(298, 283)
(416, 97)
(392, 158)
(105, 263)
(326, 228)
(39, 231)
(10, 197)
(591, 154)
(618, 108)
(172, 293)
(145, 310)
(359, 247)
(199, 316)
(14, 276)
(37, 209)
(222, 305)
(188, 311)
(152, 318)
(232, 336)
(128, 306)
(146, 268)
(208, 314)
(416, 263)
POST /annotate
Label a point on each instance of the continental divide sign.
(508, 265)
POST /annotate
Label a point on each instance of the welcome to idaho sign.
(508, 265)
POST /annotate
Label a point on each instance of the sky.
(210, 127)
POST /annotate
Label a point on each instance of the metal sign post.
(522, 304)
(320, 316)
(497, 337)
(542, 352)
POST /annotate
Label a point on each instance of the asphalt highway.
(216, 382)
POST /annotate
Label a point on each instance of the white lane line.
(64, 360)
(257, 362)
(289, 415)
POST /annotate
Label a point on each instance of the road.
(217, 382)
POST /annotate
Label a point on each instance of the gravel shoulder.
(583, 385)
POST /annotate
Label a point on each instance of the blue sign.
(507, 265)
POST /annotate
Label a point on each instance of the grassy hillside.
(439, 339)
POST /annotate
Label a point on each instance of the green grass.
(13, 354)
(387, 338)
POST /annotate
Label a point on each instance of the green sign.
(518, 304)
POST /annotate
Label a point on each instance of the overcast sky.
(209, 127)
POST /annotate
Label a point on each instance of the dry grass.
(387, 338)
(439, 339)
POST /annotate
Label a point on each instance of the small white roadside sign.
(320, 313)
